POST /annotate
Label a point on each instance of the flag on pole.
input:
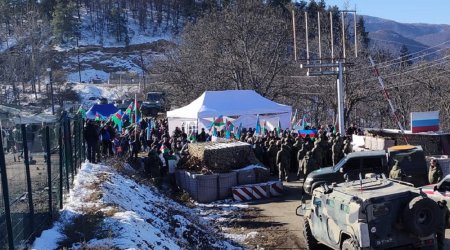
(302, 127)
(258, 126)
(279, 128)
(99, 117)
(263, 129)
(228, 127)
(294, 119)
(237, 133)
(137, 113)
(149, 130)
(82, 111)
(129, 109)
(117, 118)
(218, 122)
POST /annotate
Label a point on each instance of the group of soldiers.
(289, 152)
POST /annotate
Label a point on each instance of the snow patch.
(139, 216)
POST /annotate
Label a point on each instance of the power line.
(395, 61)
(412, 69)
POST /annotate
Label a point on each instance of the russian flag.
(424, 121)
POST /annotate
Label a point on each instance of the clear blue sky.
(404, 11)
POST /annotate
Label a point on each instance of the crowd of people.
(282, 152)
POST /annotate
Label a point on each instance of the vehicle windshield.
(154, 97)
(339, 164)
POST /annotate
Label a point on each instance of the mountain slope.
(391, 35)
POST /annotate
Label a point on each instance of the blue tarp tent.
(103, 109)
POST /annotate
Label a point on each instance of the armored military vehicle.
(372, 213)
(411, 159)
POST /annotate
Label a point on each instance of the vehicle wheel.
(350, 244)
(310, 242)
(421, 216)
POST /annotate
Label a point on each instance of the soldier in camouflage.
(283, 162)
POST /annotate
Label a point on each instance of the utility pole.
(49, 70)
(339, 85)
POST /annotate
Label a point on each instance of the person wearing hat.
(440, 231)
(396, 171)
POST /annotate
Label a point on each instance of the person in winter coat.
(396, 171)
(91, 137)
(283, 162)
(435, 172)
(153, 164)
(309, 164)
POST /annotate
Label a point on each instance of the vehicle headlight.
(308, 179)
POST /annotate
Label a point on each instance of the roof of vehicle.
(367, 153)
(405, 148)
(371, 188)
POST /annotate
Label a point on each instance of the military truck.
(155, 103)
(411, 159)
(372, 213)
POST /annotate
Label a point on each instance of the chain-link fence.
(39, 157)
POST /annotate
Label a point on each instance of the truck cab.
(411, 159)
(349, 168)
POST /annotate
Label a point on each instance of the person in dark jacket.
(91, 138)
(153, 164)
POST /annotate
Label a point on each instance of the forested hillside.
(213, 45)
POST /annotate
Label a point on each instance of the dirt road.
(281, 210)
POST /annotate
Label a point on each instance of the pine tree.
(64, 23)
(118, 24)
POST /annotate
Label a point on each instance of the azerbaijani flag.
(263, 130)
(279, 128)
(228, 127)
(258, 126)
(129, 109)
(137, 113)
(219, 121)
(310, 132)
(117, 118)
(237, 134)
(99, 117)
(82, 111)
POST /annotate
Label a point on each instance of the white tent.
(237, 106)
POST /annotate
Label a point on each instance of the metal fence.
(38, 161)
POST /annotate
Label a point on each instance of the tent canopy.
(230, 103)
(103, 109)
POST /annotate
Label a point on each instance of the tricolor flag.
(99, 117)
(310, 132)
(137, 113)
(263, 129)
(294, 119)
(218, 122)
(424, 121)
(82, 111)
(279, 128)
(117, 118)
(258, 126)
(237, 133)
(228, 127)
(129, 109)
